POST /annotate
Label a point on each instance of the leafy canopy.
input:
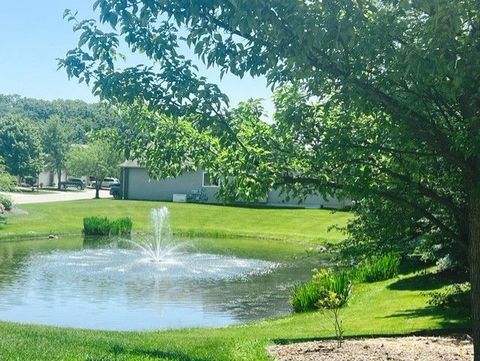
(97, 159)
(7, 181)
(20, 146)
(56, 140)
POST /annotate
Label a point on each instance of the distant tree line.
(37, 135)
(80, 117)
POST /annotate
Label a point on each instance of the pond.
(114, 286)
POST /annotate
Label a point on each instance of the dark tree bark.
(98, 184)
(474, 243)
(59, 179)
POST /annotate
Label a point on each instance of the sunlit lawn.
(188, 219)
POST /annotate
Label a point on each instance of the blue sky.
(34, 35)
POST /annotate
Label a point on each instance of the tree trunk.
(97, 189)
(59, 179)
(474, 247)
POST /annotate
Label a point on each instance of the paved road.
(51, 196)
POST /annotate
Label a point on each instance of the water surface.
(69, 283)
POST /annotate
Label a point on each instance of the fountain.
(158, 246)
(155, 282)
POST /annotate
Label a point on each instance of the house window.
(209, 181)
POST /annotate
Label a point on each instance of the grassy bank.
(385, 308)
(187, 219)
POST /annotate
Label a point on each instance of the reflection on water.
(62, 283)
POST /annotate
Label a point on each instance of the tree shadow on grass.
(166, 355)
(446, 317)
(426, 333)
(414, 265)
(421, 282)
(118, 352)
(292, 340)
(450, 320)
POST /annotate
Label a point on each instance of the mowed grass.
(391, 307)
(310, 225)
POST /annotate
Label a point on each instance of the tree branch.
(388, 195)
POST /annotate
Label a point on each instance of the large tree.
(384, 106)
(20, 146)
(56, 139)
(96, 159)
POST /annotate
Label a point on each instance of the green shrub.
(338, 283)
(335, 292)
(102, 226)
(96, 226)
(121, 227)
(6, 201)
(456, 296)
(331, 303)
(7, 182)
(377, 268)
(306, 297)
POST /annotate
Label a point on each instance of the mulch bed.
(378, 349)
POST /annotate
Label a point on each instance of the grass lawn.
(392, 307)
(187, 219)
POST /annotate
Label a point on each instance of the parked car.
(73, 183)
(115, 190)
(106, 183)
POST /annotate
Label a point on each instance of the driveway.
(54, 196)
